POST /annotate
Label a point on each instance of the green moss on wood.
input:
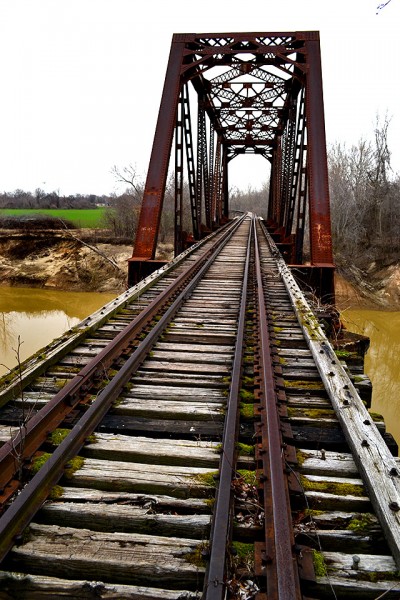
(304, 384)
(301, 457)
(56, 492)
(376, 416)
(311, 413)
(248, 381)
(362, 523)
(38, 462)
(310, 512)
(319, 564)
(207, 479)
(58, 436)
(72, 466)
(247, 411)
(245, 449)
(197, 556)
(332, 487)
(342, 354)
(210, 502)
(60, 383)
(246, 396)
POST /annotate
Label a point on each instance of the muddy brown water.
(382, 361)
(36, 317)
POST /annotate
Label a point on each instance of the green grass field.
(87, 218)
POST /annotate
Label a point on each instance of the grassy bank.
(86, 218)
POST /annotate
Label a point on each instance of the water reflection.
(382, 363)
(36, 317)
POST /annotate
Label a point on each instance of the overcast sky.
(82, 79)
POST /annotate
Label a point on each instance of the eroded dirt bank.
(54, 259)
(377, 287)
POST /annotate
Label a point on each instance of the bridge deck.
(185, 401)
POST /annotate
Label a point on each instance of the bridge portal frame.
(284, 123)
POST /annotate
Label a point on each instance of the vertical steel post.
(150, 214)
(225, 188)
(320, 223)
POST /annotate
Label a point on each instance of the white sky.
(82, 79)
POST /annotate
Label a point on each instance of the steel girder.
(262, 94)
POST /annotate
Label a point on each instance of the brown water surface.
(38, 316)
(382, 362)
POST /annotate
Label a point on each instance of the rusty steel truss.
(254, 93)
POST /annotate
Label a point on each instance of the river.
(382, 361)
(38, 316)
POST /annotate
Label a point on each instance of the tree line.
(365, 200)
(41, 199)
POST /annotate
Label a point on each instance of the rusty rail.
(214, 582)
(36, 491)
(281, 566)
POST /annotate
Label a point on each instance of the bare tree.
(122, 214)
(364, 198)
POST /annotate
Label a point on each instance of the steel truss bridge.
(231, 94)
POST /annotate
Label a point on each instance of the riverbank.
(77, 260)
(376, 286)
(86, 260)
(62, 260)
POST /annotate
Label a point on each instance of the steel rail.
(31, 498)
(377, 467)
(214, 585)
(34, 433)
(283, 581)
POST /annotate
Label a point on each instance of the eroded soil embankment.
(55, 259)
(374, 288)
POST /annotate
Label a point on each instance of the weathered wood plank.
(177, 481)
(184, 367)
(7, 432)
(174, 335)
(155, 451)
(201, 411)
(183, 429)
(40, 587)
(155, 502)
(179, 379)
(175, 393)
(334, 540)
(121, 557)
(191, 357)
(196, 349)
(128, 519)
(317, 500)
(324, 462)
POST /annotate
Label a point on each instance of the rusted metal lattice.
(256, 93)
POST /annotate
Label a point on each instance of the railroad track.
(186, 445)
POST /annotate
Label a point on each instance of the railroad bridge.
(205, 435)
